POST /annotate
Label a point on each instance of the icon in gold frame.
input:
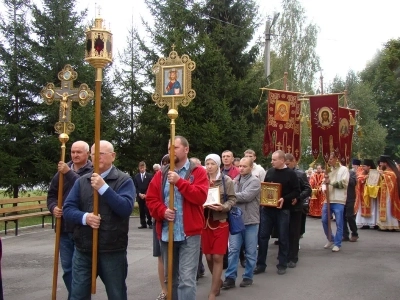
(270, 194)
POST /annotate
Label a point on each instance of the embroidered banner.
(345, 134)
(324, 111)
(282, 128)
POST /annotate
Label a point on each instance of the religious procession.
(215, 206)
(226, 210)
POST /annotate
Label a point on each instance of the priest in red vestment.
(316, 183)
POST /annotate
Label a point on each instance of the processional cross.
(66, 94)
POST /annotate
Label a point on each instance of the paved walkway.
(366, 270)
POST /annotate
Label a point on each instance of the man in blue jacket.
(116, 197)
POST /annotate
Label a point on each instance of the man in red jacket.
(190, 193)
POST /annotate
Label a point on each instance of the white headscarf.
(217, 159)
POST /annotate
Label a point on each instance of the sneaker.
(246, 282)
(228, 283)
(328, 245)
(335, 249)
(258, 270)
(354, 239)
(162, 296)
(291, 264)
(281, 271)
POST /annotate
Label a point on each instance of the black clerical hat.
(369, 163)
(385, 158)
(356, 162)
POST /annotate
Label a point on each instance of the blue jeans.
(337, 210)
(184, 267)
(270, 217)
(67, 247)
(112, 267)
(249, 238)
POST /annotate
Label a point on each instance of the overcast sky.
(351, 31)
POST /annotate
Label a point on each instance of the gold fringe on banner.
(352, 120)
(359, 131)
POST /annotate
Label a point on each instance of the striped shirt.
(179, 233)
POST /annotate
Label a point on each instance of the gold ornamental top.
(98, 51)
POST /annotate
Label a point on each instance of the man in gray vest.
(116, 197)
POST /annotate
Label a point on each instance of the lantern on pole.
(98, 53)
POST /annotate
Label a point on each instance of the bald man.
(78, 165)
(116, 197)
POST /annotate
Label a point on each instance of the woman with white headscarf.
(214, 238)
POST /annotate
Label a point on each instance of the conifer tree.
(216, 35)
(19, 114)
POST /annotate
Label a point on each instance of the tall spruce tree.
(54, 47)
(216, 35)
(20, 132)
(131, 81)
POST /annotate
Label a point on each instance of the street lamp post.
(98, 53)
(267, 52)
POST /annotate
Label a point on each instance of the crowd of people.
(364, 196)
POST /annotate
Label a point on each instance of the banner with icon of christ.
(324, 111)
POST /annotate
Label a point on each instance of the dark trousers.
(143, 212)
(269, 218)
(303, 223)
(294, 235)
(349, 218)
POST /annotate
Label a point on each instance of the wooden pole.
(63, 137)
(172, 114)
(99, 75)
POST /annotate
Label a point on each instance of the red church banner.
(324, 125)
(345, 134)
(282, 128)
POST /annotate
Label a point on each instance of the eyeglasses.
(101, 153)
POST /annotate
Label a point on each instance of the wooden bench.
(14, 209)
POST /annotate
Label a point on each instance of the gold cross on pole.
(66, 94)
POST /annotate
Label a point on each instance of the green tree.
(295, 47)
(54, 47)
(20, 131)
(216, 35)
(130, 82)
(369, 135)
(294, 51)
(383, 76)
